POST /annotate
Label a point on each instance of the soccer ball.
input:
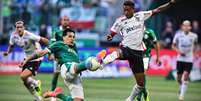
(93, 64)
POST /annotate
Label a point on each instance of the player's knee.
(23, 77)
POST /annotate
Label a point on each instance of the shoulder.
(121, 18)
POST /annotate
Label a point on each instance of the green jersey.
(149, 38)
(57, 33)
(63, 52)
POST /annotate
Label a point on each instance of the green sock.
(54, 81)
(82, 66)
(64, 98)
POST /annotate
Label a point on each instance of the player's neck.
(186, 33)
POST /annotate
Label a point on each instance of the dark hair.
(19, 22)
(129, 3)
(67, 30)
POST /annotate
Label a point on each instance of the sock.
(110, 58)
(81, 66)
(30, 83)
(136, 90)
(64, 98)
(183, 88)
(54, 81)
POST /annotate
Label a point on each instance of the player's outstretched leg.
(57, 93)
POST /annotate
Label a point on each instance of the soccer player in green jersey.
(66, 53)
(57, 36)
(150, 42)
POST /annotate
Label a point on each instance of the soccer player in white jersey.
(185, 44)
(131, 28)
(29, 42)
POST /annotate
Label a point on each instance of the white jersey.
(132, 29)
(185, 44)
(29, 42)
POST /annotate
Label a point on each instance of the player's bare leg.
(138, 87)
(184, 85)
(30, 83)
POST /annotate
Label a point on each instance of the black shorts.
(134, 57)
(32, 66)
(184, 66)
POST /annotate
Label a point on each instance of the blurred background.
(92, 19)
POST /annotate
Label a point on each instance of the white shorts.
(56, 67)
(74, 83)
(146, 63)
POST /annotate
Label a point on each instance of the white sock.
(31, 83)
(136, 90)
(110, 58)
(183, 88)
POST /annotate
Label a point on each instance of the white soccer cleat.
(129, 99)
(53, 99)
(181, 98)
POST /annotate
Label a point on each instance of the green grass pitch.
(111, 89)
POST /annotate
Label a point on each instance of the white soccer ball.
(94, 64)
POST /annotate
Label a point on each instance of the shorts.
(32, 66)
(57, 67)
(184, 66)
(134, 57)
(73, 82)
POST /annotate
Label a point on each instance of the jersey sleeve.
(116, 27)
(52, 48)
(11, 41)
(196, 38)
(144, 15)
(33, 36)
(175, 39)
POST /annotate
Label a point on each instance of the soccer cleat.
(146, 96)
(54, 93)
(53, 99)
(181, 98)
(38, 88)
(100, 56)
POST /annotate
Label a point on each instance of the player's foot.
(181, 98)
(146, 96)
(54, 93)
(38, 98)
(38, 88)
(129, 99)
(53, 99)
(100, 56)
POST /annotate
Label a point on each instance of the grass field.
(113, 89)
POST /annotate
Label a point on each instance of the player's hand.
(158, 62)
(5, 54)
(109, 37)
(22, 64)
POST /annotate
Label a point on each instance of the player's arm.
(44, 40)
(116, 27)
(195, 46)
(111, 35)
(163, 7)
(36, 55)
(9, 50)
(157, 48)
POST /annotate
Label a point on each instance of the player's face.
(186, 27)
(19, 28)
(69, 38)
(65, 21)
(128, 11)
